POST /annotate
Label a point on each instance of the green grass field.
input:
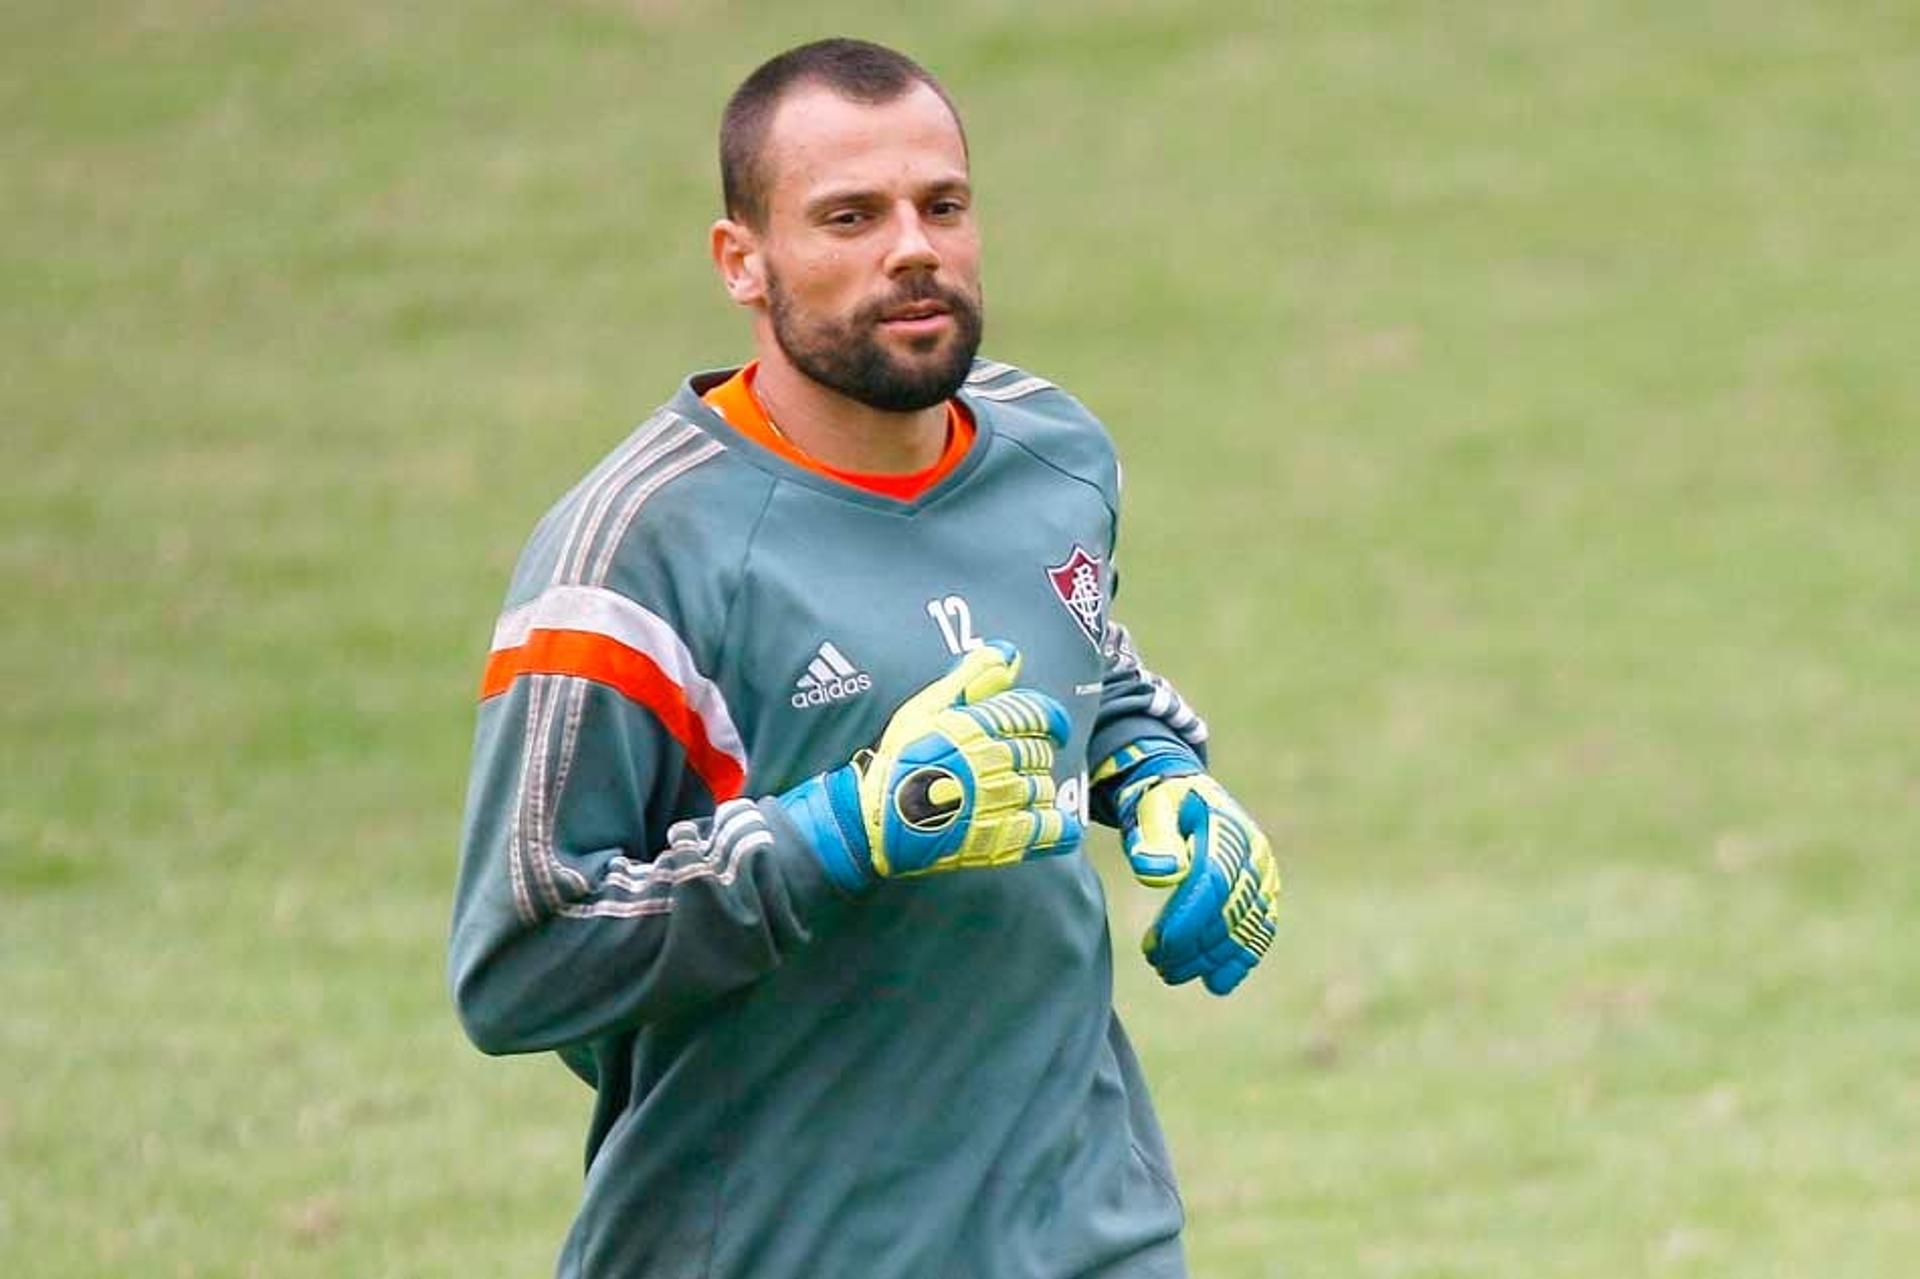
(1522, 422)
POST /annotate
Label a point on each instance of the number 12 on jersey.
(955, 620)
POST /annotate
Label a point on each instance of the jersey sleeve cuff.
(816, 897)
(1110, 735)
(1158, 754)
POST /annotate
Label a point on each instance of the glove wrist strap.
(1141, 760)
(826, 808)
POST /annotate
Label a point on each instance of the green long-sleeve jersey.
(928, 1080)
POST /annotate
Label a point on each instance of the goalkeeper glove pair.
(1181, 830)
(963, 776)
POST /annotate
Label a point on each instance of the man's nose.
(911, 248)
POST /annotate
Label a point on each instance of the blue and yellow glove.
(962, 777)
(1181, 830)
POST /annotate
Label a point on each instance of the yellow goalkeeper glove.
(962, 777)
(1181, 830)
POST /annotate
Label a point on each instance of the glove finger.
(1222, 917)
(1253, 897)
(1255, 937)
(1154, 865)
(1056, 832)
(1205, 799)
(1228, 845)
(1010, 791)
(1196, 818)
(1041, 832)
(985, 672)
(1154, 843)
(1267, 877)
(1177, 981)
(1214, 952)
(1011, 774)
(980, 673)
(1252, 912)
(1185, 971)
(988, 755)
(1204, 965)
(1030, 754)
(1181, 955)
(1022, 712)
(1219, 945)
(1223, 979)
(1190, 921)
(1224, 954)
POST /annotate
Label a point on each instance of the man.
(783, 760)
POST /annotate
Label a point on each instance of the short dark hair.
(855, 69)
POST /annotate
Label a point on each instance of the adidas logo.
(830, 677)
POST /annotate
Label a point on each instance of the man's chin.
(922, 348)
(912, 385)
(934, 357)
(890, 371)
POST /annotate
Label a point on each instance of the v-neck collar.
(688, 404)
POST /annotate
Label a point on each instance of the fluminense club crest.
(1081, 587)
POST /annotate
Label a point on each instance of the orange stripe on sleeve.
(629, 672)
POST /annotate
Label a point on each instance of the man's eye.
(947, 208)
(846, 218)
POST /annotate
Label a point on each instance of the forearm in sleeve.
(1136, 706)
(566, 926)
(1136, 703)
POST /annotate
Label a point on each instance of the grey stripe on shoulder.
(641, 450)
(992, 380)
(987, 371)
(664, 449)
(701, 449)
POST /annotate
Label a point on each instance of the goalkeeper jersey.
(928, 1080)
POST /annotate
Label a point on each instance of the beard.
(847, 355)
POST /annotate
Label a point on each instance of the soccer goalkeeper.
(787, 740)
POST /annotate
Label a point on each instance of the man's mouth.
(913, 311)
(919, 319)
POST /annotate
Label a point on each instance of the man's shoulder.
(668, 496)
(1001, 382)
(1045, 420)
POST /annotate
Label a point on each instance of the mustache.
(918, 288)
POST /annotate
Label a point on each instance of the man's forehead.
(818, 138)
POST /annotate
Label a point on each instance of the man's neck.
(843, 432)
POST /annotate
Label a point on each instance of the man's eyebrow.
(841, 196)
(867, 197)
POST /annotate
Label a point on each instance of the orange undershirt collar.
(734, 400)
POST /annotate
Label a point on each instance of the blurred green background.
(1521, 413)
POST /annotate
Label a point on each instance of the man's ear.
(736, 255)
